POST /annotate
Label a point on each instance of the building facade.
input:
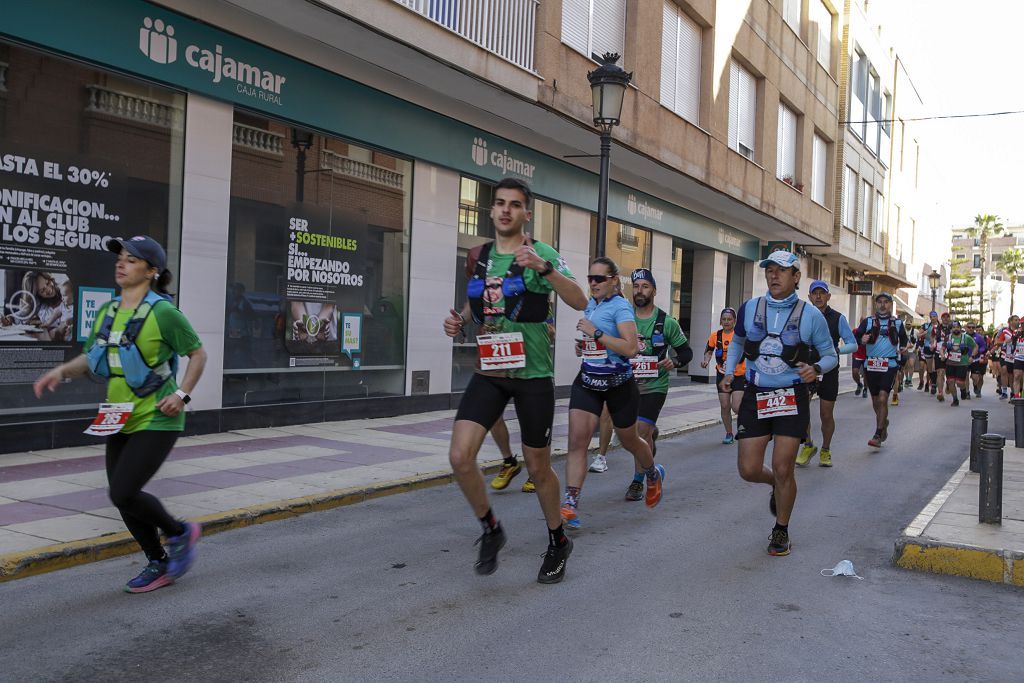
(967, 256)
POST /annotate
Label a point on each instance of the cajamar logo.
(631, 204)
(480, 151)
(156, 41)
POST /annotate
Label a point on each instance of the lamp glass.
(608, 102)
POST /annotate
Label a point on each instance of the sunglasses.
(598, 279)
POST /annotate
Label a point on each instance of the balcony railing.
(861, 247)
(132, 107)
(258, 139)
(361, 170)
(504, 27)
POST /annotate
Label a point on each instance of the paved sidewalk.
(55, 513)
(947, 538)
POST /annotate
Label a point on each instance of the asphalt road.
(385, 590)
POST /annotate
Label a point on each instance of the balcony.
(503, 27)
(860, 249)
(132, 107)
(361, 170)
(257, 139)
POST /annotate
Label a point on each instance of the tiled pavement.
(49, 498)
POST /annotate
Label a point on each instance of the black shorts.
(940, 363)
(1008, 364)
(738, 383)
(827, 388)
(977, 368)
(486, 397)
(650, 407)
(1018, 365)
(623, 401)
(957, 373)
(927, 354)
(858, 363)
(877, 382)
(749, 427)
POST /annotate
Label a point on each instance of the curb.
(51, 558)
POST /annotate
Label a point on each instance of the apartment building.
(319, 171)
(964, 247)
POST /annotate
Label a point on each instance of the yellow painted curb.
(972, 563)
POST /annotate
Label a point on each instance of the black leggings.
(132, 460)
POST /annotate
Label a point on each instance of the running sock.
(784, 528)
(489, 522)
(638, 477)
(162, 557)
(511, 461)
(652, 473)
(572, 496)
(556, 537)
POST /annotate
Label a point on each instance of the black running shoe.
(552, 570)
(778, 544)
(933, 390)
(771, 504)
(490, 543)
(955, 402)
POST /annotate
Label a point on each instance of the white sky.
(965, 57)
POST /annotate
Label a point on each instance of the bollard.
(1018, 421)
(990, 484)
(979, 425)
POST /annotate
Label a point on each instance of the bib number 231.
(778, 403)
(501, 351)
(111, 418)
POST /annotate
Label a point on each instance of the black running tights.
(132, 460)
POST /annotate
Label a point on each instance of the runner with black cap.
(885, 338)
(775, 334)
(135, 343)
(929, 343)
(956, 351)
(827, 386)
(942, 332)
(979, 360)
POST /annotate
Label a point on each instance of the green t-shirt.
(536, 336)
(165, 333)
(966, 342)
(673, 337)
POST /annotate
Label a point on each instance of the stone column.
(710, 270)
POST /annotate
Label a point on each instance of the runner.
(1005, 343)
(658, 333)
(940, 336)
(923, 381)
(776, 333)
(911, 363)
(929, 342)
(1018, 359)
(957, 350)
(718, 346)
(135, 343)
(979, 359)
(856, 369)
(609, 340)
(513, 275)
(826, 386)
(885, 338)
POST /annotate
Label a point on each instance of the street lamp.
(302, 140)
(608, 85)
(933, 280)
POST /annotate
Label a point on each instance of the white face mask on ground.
(844, 568)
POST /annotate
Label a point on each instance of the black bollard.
(990, 484)
(1018, 421)
(979, 425)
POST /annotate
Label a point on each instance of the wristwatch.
(598, 334)
(548, 269)
(185, 398)
(817, 369)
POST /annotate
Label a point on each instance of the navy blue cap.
(818, 284)
(643, 274)
(143, 247)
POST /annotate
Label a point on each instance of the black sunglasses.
(597, 279)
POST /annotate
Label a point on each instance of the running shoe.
(908, 383)
(933, 390)
(964, 394)
(895, 399)
(729, 438)
(490, 543)
(941, 398)
(652, 495)
(528, 486)
(506, 475)
(570, 517)
(599, 464)
(857, 391)
(1002, 397)
(876, 440)
(825, 458)
(181, 550)
(778, 544)
(977, 393)
(771, 504)
(920, 385)
(635, 490)
(955, 402)
(153, 576)
(806, 453)
(552, 570)
(865, 393)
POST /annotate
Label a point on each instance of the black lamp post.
(608, 84)
(933, 280)
(302, 140)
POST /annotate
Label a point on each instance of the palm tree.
(1011, 262)
(985, 226)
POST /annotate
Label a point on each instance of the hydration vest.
(832, 317)
(789, 347)
(658, 345)
(719, 347)
(874, 327)
(521, 305)
(141, 377)
(964, 346)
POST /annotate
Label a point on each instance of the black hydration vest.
(521, 305)
(658, 344)
(893, 331)
(832, 317)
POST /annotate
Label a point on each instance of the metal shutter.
(786, 153)
(688, 88)
(608, 22)
(669, 55)
(819, 169)
(576, 25)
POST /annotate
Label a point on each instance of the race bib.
(111, 419)
(778, 403)
(644, 367)
(877, 364)
(594, 350)
(953, 357)
(505, 351)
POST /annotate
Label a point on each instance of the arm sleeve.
(860, 331)
(821, 339)
(176, 331)
(849, 344)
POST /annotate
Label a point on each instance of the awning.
(906, 310)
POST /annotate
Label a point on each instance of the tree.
(1011, 263)
(985, 226)
(960, 292)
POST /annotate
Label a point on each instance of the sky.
(964, 58)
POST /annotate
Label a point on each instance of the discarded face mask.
(844, 568)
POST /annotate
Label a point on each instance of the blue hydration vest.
(785, 348)
(142, 378)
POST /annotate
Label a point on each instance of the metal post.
(979, 425)
(602, 191)
(1018, 421)
(300, 175)
(990, 484)
(933, 299)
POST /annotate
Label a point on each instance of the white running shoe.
(599, 464)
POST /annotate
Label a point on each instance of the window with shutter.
(821, 18)
(880, 218)
(864, 210)
(819, 169)
(680, 63)
(786, 154)
(576, 25)
(849, 198)
(590, 26)
(791, 13)
(742, 110)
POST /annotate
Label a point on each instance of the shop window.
(682, 284)
(317, 267)
(476, 228)
(627, 245)
(87, 155)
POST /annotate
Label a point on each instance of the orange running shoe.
(654, 488)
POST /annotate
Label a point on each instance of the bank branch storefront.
(313, 224)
